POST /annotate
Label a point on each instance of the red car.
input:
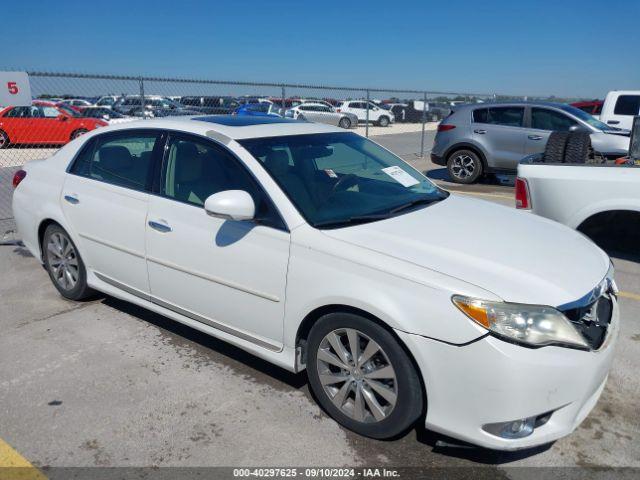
(593, 107)
(43, 124)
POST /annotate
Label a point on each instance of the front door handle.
(534, 137)
(613, 122)
(160, 226)
(479, 131)
(72, 199)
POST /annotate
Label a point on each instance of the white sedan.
(316, 248)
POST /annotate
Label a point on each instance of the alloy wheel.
(463, 166)
(63, 261)
(356, 375)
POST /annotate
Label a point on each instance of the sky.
(565, 48)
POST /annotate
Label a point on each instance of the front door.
(104, 199)
(230, 275)
(543, 122)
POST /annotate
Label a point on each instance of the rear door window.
(506, 116)
(123, 159)
(627, 105)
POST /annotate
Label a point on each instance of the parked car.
(599, 199)
(412, 112)
(252, 230)
(593, 107)
(619, 108)
(107, 101)
(211, 105)
(76, 102)
(154, 106)
(45, 125)
(477, 139)
(320, 112)
(377, 115)
(258, 110)
(107, 114)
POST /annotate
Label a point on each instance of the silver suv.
(479, 138)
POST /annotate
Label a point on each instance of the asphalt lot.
(105, 383)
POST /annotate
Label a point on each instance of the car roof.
(472, 106)
(228, 127)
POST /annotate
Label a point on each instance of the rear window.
(627, 105)
(506, 116)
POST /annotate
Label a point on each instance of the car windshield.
(342, 179)
(586, 117)
(69, 111)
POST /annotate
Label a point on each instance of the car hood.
(514, 254)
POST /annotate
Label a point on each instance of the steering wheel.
(348, 181)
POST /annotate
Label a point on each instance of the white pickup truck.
(619, 108)
(601, 200)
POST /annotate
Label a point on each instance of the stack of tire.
(568, 147)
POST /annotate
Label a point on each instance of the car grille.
(592, 320)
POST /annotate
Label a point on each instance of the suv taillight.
(523, 200)
(18, 177)
(445, 127)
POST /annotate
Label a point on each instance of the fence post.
(424, 121)
(141, 82)
(283, 102)
(366, 133)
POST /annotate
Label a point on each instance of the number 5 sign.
(15, 89)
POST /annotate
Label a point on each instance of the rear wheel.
(464, 166)
(362, 377)
(383, 121)
(4, 140)
(64, 264)
(344, 123)
(77, 133)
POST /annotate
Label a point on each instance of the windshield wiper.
(355, 220)
(413, 203)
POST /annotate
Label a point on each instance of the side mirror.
(231, 205)
(578, 128)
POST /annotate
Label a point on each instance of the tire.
(383, 121)
(301, 118)
(554, 150)
(578, 147)
(57, 246)
(77, 133)
(4, 140)
(391, 400)
(464, 166)
(344, 122)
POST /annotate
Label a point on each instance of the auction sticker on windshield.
(400, 176)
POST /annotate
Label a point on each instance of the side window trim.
(157, 190)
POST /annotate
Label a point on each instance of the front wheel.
(344, 123)
(77, 133)
(64, 264)
(362, 377)
(383, 121)
(464, 166)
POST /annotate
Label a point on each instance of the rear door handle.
(534, 137)
(480, 131)
(613, 122)
(160, 225)
(72, 199)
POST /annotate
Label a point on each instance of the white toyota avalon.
(317, 249)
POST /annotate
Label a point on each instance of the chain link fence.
(66, 105)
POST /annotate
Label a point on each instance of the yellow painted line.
(14, 466)
(632, 296)
(480, 194)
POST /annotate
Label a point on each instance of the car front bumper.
(492, 381)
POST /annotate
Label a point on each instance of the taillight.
(445, 127)
(18, 177)
(338, 110)
(522, 194)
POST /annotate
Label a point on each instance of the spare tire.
(577, 148)
(554, 150)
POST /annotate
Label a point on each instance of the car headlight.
(532, 325)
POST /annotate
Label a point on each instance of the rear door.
(500, 130)
(542, 122)
(105, 198)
